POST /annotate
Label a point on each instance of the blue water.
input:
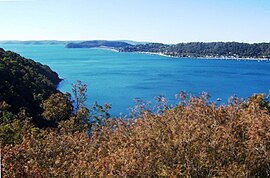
(118, 78)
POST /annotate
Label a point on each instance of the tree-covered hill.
(98, 43)
(24, 83)
(199, 49)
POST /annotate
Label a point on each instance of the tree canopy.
(200, 49)
(24, 84)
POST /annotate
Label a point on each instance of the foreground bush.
(194, 139)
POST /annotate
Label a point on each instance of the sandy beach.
(207, 57)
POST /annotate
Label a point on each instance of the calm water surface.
(118, 78)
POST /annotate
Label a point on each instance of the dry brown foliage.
(196, 139)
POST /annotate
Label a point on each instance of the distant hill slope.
(199, 49)
(25, 83)
(193, 49)
(98, 43)
(36, 42)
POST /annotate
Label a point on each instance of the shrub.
(195, 139)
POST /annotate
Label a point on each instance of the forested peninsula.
(45, 133)
(98, 43)
(230, 50)
(207, 50)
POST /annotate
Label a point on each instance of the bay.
(118, 78)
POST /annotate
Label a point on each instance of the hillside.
(98, 43)
(24, 83)
(208, 50)
(195, 138)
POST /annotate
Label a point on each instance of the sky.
(166, 21)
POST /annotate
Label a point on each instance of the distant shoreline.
(120, 49)
(106, 48)
(207, 57)
(170, 56)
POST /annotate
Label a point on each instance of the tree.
(57, 107)
(79, 120)
(79, 91)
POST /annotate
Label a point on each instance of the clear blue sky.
(168, 21)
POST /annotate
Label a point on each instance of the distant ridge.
(224, 50)
(34, 42)
(98, 43)
(205, 50)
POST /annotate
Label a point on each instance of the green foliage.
(98, 43)
(258, 101)
(79, 122)
(57, 107)
(84, 119)
(197, 49)
(25, 84)
(12, 127)
(5, 115)
(98, 116)
(12, 132)
(79, 91)
(25, 87)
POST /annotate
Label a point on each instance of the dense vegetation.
(24, 84)
(213, 50)
(98, 43)
(196, 138)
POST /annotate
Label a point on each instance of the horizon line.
(35, 40)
